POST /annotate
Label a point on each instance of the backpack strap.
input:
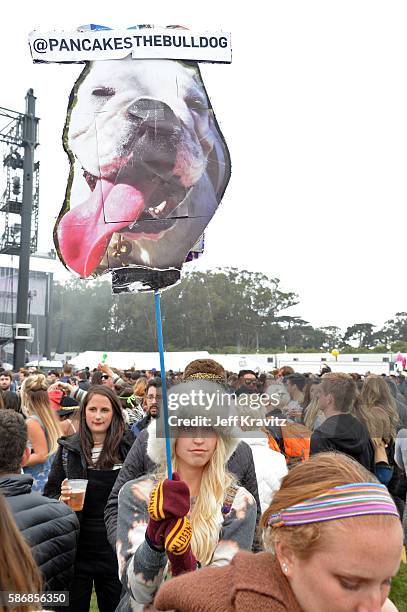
(229, 498)
(65, 461)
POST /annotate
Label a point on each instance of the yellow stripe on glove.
(155, 506)
(179, 538)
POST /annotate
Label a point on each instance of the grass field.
(398, 593)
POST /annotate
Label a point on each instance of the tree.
(293, 329)
(208, 310)
(332, 337)
(362, 333)
(395, 330)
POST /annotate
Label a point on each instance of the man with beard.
(247, 381)
(152, 401)
(6, 379)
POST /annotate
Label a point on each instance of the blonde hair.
(206, 516)
(305, 481)
(35, 401)
(376, 394)
(312, 413)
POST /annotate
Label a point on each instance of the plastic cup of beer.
(77, 498)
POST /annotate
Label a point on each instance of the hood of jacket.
(16, 484)
(202, 399)
(71, 443)
(156, 443)
(350, 435)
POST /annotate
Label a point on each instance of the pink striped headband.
(356, 499)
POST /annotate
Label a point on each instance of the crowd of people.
(298, 509)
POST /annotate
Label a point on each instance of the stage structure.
(19, 197)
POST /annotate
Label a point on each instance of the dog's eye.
(103, 92)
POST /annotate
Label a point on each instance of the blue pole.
(158, 322)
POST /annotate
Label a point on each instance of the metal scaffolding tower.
(19, 205)
(11, 198)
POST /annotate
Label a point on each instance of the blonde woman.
(42, 427)
(312, 417)
(201, 517)
(377, 409)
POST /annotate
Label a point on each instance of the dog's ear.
(218, 165)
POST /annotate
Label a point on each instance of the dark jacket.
(138, 463)
(344, 433)
(75, 462)
(143, 423)
(50, 527)
(402, 410)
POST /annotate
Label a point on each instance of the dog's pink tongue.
(85, 231)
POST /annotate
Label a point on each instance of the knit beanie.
(205, 369)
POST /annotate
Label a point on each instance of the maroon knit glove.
(183, 563)
(169, 500)
(177, 538)
(155, 533)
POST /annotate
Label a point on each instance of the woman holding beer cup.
(82, 475)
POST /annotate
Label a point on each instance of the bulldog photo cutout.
(149, 167)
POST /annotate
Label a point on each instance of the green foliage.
(399, 346)
(398, 593)
(362, 333)
(225, 310)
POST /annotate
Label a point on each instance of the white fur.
(100, 135)
(156, 446)
(230, 434)
(100, 129)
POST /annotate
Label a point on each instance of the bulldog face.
(148, 166)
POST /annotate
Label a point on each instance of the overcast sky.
(314, 111)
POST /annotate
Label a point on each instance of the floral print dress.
(39, 471)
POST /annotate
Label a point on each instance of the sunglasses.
(105, 377)
(250, 382)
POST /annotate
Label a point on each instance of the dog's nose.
(157, 134)
(152, 114)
